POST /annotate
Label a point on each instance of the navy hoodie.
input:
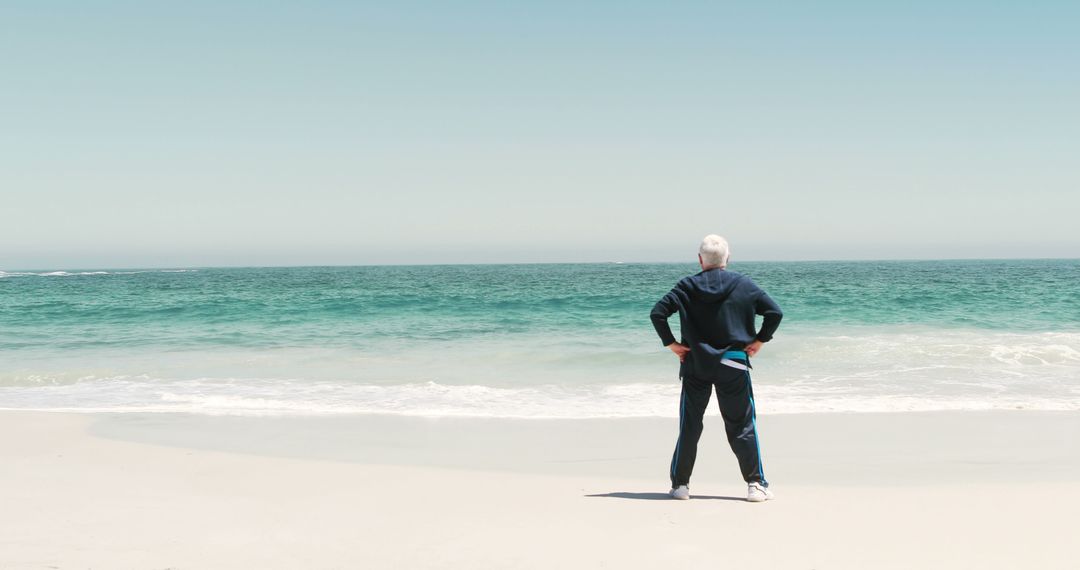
(716, 313)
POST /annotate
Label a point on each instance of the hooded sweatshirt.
(716, 313)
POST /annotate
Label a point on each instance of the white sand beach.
(933, 490)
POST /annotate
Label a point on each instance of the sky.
(166, 134)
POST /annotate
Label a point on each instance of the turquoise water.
(528, 340)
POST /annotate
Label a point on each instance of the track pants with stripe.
(736, 398)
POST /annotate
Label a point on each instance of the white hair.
(714, 251)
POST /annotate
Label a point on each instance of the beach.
(524, 416)
(910, 490)
(440, 285)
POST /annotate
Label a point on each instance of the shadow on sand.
(661, 496)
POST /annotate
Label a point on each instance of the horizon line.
(609, 262)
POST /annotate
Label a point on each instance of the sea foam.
(233, 396)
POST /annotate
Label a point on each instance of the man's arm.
(663, 309)
(767, 308)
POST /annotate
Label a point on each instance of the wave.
(4, 274)
(50, 273)
(259, 397)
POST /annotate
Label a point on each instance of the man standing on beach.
(716, 314)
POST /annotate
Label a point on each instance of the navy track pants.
(736, 397)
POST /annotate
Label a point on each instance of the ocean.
(529, 341)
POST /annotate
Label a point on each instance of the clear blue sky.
(264, 133)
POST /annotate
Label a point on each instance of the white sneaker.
(682, 493)
(757, 493)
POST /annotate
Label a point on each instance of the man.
(716, 313)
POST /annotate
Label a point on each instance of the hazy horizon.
(355, 133)
(437, 264)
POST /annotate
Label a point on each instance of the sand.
(945, 490)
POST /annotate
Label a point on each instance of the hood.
(712, 286)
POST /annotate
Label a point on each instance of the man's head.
(714, 252)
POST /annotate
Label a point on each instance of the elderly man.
(716, 313)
